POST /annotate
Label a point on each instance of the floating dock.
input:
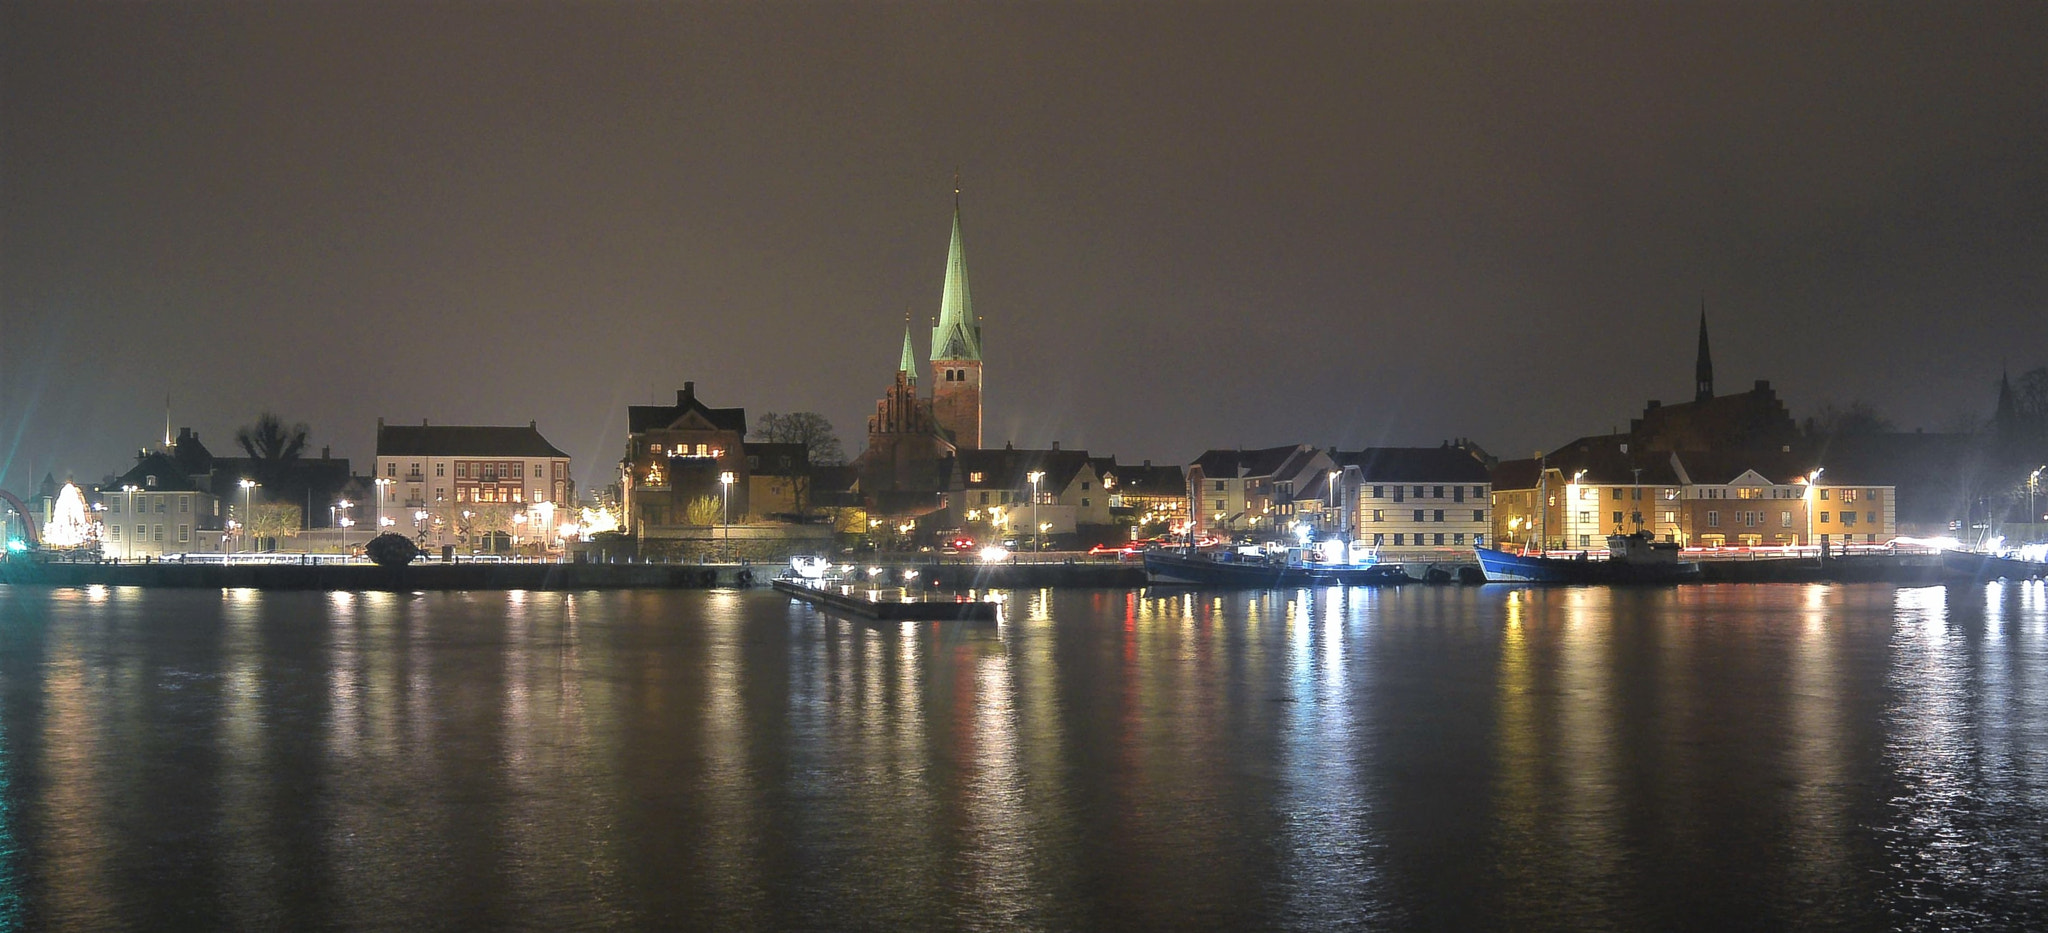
(867, 605)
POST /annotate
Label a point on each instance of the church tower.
(1703, 371)
(956, 351)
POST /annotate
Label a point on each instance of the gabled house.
(995, 488)
(156, 508)
(1252, 490)
(679, 454)
(1413, 497)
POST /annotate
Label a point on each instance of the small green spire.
(958, 334)
(909, 364)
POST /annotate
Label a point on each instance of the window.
(1379, 515)
(1378, 539)
(984, 498)
(1084, 502)
(1437, 491)
(1617, 493)
(1585, 540)
(1379, 492)
(184, 533)
(113, 532)
(440, 469)
(1617, 515)
(1479, 540)
(753, 461)
(159, 535)
(391, 469)
(184, 504)
(1824, 495)
(1084, 485)
(1785, 519)
(162, 506)
(1823, 517)
(1219, 485)
(1219, 505)
(1439, 539)
(1636, 494)
(1848, 495)
(440, 495)
(974, 477)
(1397, 539)
(1397, 493)
(1668, 518)
(1439, 514)
(1714, 519)
(1849, 518)
(1870, 517)
(1457, 493)
(1418, 495)
(1479, 515)
(1418, 515)
(519, 471)
(1458, 538)
(114, 506)
(1585, 518)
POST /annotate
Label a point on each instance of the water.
(1703, 757)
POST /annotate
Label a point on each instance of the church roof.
(958, 334)
(909, 364)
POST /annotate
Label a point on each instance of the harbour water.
(1850, 757)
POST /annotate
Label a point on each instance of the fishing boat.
(1296, 567)
(1631, 558)
(1984, 566)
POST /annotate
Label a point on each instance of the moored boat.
(1981, 567)
(1231, 570)
(1631, 558)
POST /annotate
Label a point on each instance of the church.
(913, 437)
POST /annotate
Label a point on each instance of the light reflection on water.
(1812, 757)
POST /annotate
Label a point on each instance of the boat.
(1631, 558)
(1983, 566)
(1227, 569)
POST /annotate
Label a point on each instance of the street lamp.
(1812, 497)
(725, 492)
(2033, 516)
(342, 522)
(248, 527)
(1037, 544)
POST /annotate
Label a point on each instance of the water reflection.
(1471, 758)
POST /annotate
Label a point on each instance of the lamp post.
(1037, 544)
(1812, 498)
(725, 493)
(419, 525)
(342, 521)
(248, 528)
(2033, 516)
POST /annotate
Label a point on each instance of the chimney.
(685, 394)
(1655, 404)
(1148, 463)
(380, 422)
(1762, 386)
(325, 451)
(1055, 445)
(534, 425)
(423, 422)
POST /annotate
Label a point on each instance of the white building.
(155, 509)
(428, 476)
(1417, 500)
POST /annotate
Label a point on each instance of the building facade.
(679, 456)
(428, 476)
(1413, 499)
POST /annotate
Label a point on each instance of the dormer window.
(149, 481)
(974, 477)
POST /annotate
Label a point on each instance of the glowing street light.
(248, 527)
(1036, 543)
(128, 541)
(1812, 497)
(725, 490)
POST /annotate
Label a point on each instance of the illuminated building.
(439, 469)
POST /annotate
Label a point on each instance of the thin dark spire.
(1703, 370)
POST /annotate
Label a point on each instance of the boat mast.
(1543, 503)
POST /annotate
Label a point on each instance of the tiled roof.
(641, 418)
(1008, 468)
(169, 477)
(1416, 464)
(396, 440)
(1234, 464)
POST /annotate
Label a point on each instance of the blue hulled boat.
(1630, 559)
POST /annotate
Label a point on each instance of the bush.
(391, 550)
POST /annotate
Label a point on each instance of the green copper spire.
(958, 335)
(909, 364)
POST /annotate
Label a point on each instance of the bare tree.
(802, 427)
(270, 439)
(274, 520)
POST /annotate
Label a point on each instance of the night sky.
(1186, 227)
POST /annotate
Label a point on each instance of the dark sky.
(1187, 226)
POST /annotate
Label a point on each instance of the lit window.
(974, 477)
